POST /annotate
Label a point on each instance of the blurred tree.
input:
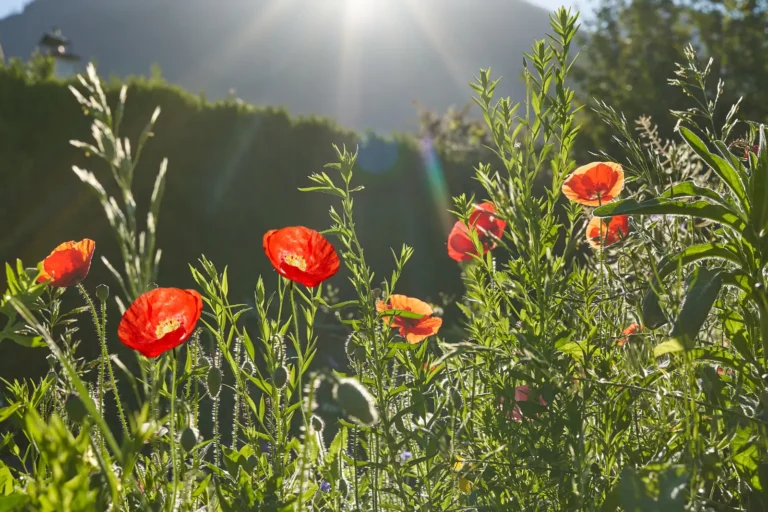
(631, 47)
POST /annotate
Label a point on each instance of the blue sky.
(10, 6)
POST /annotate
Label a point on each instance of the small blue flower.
(325, 486)
(405, 456)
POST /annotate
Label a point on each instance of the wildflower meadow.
(611, 352)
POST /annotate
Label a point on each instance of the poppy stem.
(97, 325)
(172, 430)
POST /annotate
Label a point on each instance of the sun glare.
(360, 11)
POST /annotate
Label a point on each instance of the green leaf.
(690, 189)
(697, 253)
(730, 176)
(326, 190)
(7, 412)
(703, 287)
(402, 313)
(701, 209)
(745, 455)
(652, 313)
(668, 347)
(6, 480)
(758, 187)
(578, 350)
(13, 502)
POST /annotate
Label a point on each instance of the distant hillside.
(301, 54)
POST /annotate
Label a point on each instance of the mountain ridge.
(306, 56)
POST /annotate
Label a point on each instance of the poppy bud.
(350, 347)
(457, 398)
(356, 401)
(317, 423)
(102, 292)
(214, 381)
(51, 360)
(343, 487)
(31, 272)
(280, 377)
(189, 438)
(75, 408)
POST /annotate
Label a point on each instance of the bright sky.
(11, 6)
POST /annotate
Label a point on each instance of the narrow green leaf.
(730, 176)
(703, 287)
(701, 209)
(690, 189)
(402, 313)
(326, 190)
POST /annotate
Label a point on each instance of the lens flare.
(438, 188)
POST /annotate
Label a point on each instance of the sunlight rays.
(442, 44)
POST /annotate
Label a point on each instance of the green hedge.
(233, 174)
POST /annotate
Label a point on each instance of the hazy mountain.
(361, 62)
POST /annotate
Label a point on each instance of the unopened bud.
(75, 408)
(280, 377)
(214, 381)
(317, 423)
(457, 398)
(356, 401)
(102, 292)
(343, 488)
(189, 438)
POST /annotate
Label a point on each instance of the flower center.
(295, 260)
(166, 326)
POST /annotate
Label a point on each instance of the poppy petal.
(68, 264)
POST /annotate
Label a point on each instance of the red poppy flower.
(412, 329)
(630, 330)
(594, 184)
(160, 320)
(68, 264)
(488, 226)
(753, 149)
(301, 254)
(611, 232)
(522, 394)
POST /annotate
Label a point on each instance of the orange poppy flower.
(412, 329)
(301, 254)
(721, 371)
(630, 330)
(488, 226)
(68, 264)
(594, 184)
(611, 232)
(748, 149)
(160, 320)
